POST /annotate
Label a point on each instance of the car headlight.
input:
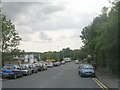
(83, 71)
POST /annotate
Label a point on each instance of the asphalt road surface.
(64, 76)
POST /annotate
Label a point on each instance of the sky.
(51, 24)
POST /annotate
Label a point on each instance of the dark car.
(11, 71)
(86, 70)
(56, 64)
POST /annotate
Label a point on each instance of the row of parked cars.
(14, 71)
(54, 64)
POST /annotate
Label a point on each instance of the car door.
(18, 71)
(80, 68)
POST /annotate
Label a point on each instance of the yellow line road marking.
(100, 84)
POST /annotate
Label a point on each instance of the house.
(28, 57)
(14, 61)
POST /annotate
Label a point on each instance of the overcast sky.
(52, 25)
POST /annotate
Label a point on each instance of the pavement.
(64, 76)
(111, 81)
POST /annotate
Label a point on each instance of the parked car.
(86, 70)
(0, 72)
(26, 69)
(56, 64)
(50, 64)
(11, 71)
(80, 65)
(76, 61)
(31, 67)
(38, 65)
(44, 65)
(35, 68)
(62, 62)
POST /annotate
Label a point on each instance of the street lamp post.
(58, 53)
(49, 44)
(49, 48)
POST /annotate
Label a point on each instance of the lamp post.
(49, 47)
(49, 44)
(58, 52)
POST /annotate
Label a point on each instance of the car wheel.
(3, 77)
(15, 76)
(21, 75)
(94, 76)
(81, 75)
(31, 73)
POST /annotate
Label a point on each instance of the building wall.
(16, 62)
(29, 58)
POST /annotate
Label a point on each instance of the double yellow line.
(100, 84)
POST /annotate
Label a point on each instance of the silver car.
(44, 65)
(26, 70)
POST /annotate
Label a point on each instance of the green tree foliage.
(50, 55)
(100, 39)
(64, 53)
(10, 40)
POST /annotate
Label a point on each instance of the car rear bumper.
(25, 73)
(87, 74)
(49, 66)
(8, 76)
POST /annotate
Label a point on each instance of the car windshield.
(87, 66)
(24, 67)
(49, 63)
(8, 67)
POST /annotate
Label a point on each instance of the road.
(64, 76)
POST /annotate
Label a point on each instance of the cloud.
(26, 38)
(46, 16)
(36, 22)
(52, 9)
(12, 9)
(43, 36)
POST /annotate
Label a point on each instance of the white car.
(62, 62)
(49, 64)
(26, 70)
(76, 61)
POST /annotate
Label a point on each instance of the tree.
(100, 39)
(10, 38)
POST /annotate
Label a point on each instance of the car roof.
(84, 65)
(88, 64)
(9, 65)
